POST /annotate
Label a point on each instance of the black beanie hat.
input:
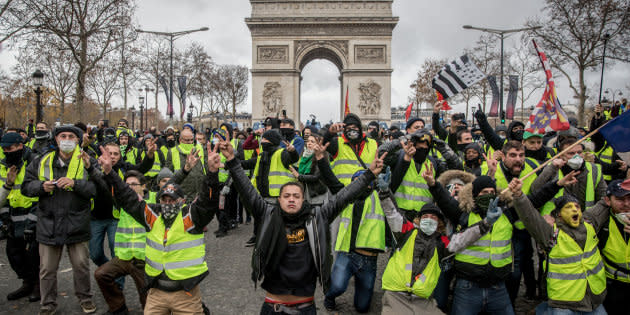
(352, 119)
(560, 202)
(413, 120)
(273, 136)
(482, 182)
(432, 209)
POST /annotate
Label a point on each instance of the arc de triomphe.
(353, 35)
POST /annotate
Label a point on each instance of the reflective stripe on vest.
(15, 197)
(156, 167)
(176, 161)
(278, 174)
(130, 238)
(413, 191)
(223, 173)
(371, 232)
(495, 247)
(618, 252)
(177, 253)
(605, 154)
(591, 184)
(75, 168)
(398, 273)
(502, 183)
(346, 162)
(571, 268)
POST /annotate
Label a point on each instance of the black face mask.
(170, 143)
(540, 154)
(14, 158)
(421, 155)
(287, 133)
(472, 162)
(268, 147)
(462, 146)
(373, 134)
(41, 134)
(517, 135)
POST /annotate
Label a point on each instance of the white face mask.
(622, 217)
(575, 162)
(67, 145)
(428, 226)
(308, 152)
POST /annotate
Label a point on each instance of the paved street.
(227, 290)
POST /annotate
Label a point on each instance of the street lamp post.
(473, 116)
(190, 113)
(172, 37)
(146, 91)
(501, 34)
(601, 79)
(141, 99)
(613, 92)
(38, 78)
(133, 117)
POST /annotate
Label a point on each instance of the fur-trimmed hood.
(449, 175)
(467, 202)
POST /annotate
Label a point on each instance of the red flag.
(445, 105)
(408, 111)
(346, 110)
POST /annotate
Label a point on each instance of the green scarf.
(305, 165)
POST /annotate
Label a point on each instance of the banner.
(346, 109)
(181, 83)
(494, 107)
(511, 98)
(169, 106)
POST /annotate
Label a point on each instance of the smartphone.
(54, 183)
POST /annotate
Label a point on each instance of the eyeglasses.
(135, 184)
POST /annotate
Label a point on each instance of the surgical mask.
(41, 134)
(352, 134)
(307, 152)
(67, 145)
(575, 162)
(170, 211)
(622, 217)
(14, 158)
(428, 226)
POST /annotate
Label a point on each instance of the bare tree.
(487, 57)
(423, 92)
(231, 85)
(524, 63)
(572, 36)
(104, 82)
(152, 63)
(196, 65)
(89, 30)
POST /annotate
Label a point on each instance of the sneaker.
(24, 291)
(88, 307)
(329, 304)
(47, 311)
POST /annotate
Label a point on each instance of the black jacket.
(317, 225)
(63, 217)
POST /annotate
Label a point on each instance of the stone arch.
(354, 35)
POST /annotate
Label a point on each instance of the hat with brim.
(10, 139)
(172, 190)
(617, 188)
(527, 135)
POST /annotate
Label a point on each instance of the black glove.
(480, 115)
(29, 236)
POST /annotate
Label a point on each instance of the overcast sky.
(426, 29)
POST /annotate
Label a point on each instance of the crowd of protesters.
(454, 207)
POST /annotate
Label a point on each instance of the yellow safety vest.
(616, 251)
(75, 168)
(156, 167)
(175, 158)
(591, 185)
(502, 183)
(278, 174)
(371, 233)
(398, 273)
(130, 238)
(224, 173)
(495, 247)
(15, 197)
(605, 155)
(413, 191)
(175, 252)
(346, 162)
(571, 268)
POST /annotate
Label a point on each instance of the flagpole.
(562, 152)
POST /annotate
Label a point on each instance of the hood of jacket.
(449, 175)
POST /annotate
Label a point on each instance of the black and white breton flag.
(457, 76)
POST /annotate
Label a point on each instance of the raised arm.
(535, 224)
(488, 133)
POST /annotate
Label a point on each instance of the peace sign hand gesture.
(492, 165)
(377, 165)
(214, 159)
(191, 160)
(410, 150)
(428, 175)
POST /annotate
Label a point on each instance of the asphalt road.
(227, 290)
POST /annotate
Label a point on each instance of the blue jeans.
(471, 299)
(545, 309)
(98, 229)
(363, 268)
